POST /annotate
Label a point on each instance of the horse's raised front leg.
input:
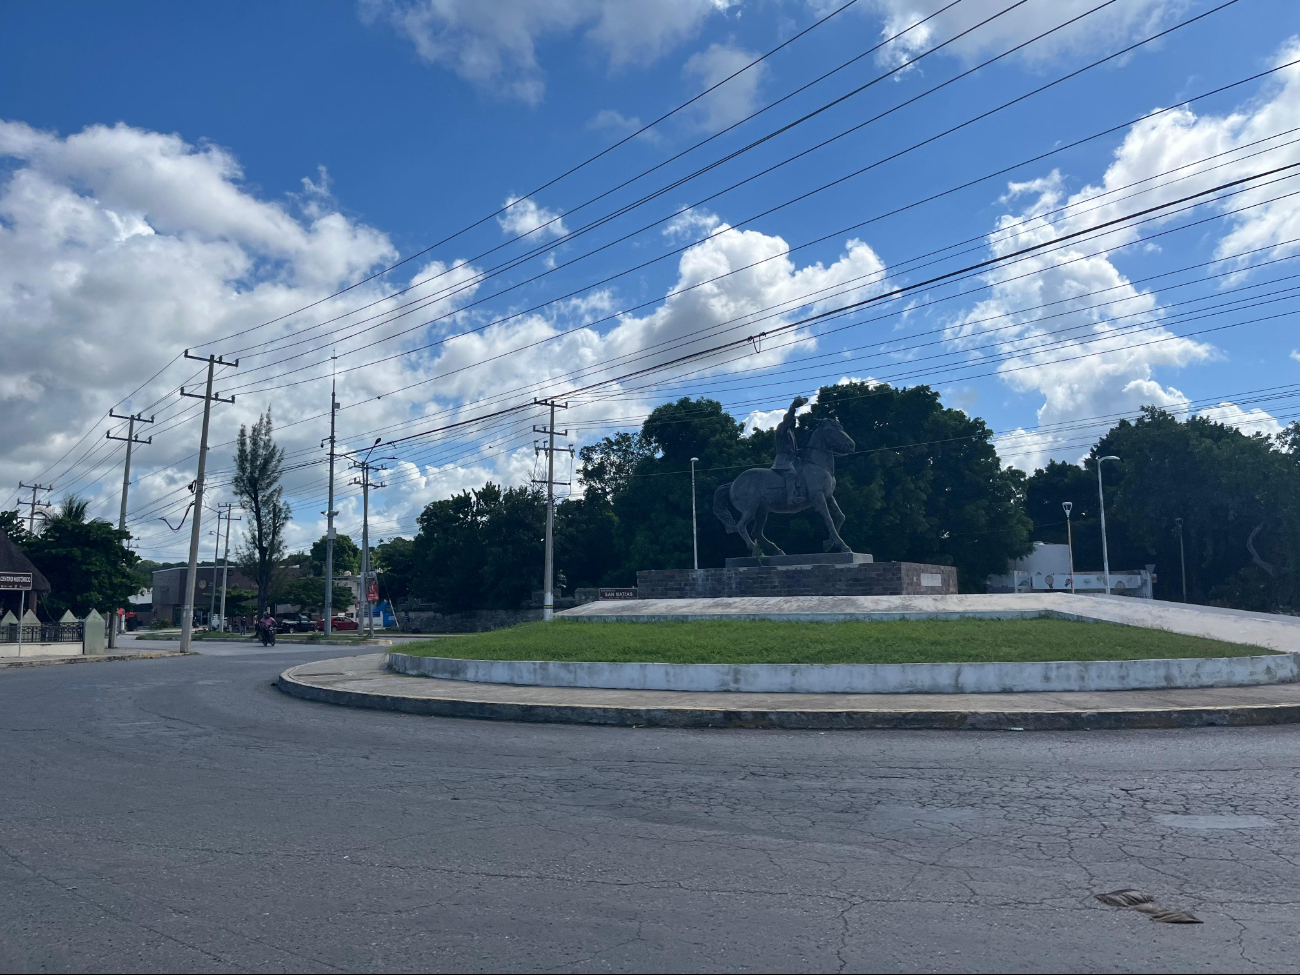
(834, 542)
(760, 522)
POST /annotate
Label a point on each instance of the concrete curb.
(466, 706)
(913, 678)
(7, 664)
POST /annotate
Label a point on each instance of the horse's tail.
(722, 507)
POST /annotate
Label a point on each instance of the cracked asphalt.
(182, 815)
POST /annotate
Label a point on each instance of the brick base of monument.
(860, 579)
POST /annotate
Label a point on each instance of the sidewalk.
(8, 663)
(363, 681)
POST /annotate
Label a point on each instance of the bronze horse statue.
(759, 491)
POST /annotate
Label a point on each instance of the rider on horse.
(787, 451)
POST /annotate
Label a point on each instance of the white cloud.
(1248, 422)
(525, 216)
(1295, 354)
(121, 247)
(1106, 372)
(737, 98)
(1125, 378)
(494, 44)
(1114, 26)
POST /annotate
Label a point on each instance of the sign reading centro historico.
(15, 580)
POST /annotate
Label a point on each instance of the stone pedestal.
(853, 575)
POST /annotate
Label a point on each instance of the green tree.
(1238, 496)
(309, 593)
(11, 523)
(259, 464)
(347, 556)
(480, 549)
(396, 562)
(86, 562)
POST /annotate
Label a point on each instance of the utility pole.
(31, 515)
(216, 548)
(187, 614)
(225, 559)
(327, 624)
(31, 529)
(548, 574)
(1182, 557)
(130, 439)
(366, 466)
(695, 536)
(1101, 497)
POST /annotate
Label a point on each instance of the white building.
(1047, 569)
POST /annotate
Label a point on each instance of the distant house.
(1047, 569)
(169, 591)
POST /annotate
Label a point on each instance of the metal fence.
(45, 633)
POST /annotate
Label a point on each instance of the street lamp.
(1069, 538)
(695, 540)
(1101, 497)
(1182, 559)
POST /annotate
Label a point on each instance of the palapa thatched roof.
(14, 559)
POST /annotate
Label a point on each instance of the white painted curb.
(969, 678)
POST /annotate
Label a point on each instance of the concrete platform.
(1274, 632)
(363, 681)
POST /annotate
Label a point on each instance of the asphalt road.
(182, 815)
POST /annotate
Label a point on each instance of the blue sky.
(173, 174)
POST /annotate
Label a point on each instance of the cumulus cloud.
(1114, 26)
(1080, 360)
(120, 247)
(494, 45)
(1110, 373)
(694, 315)
(735, 99)
(525, 216)
(1249, 422)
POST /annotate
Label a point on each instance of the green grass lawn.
(770, 641)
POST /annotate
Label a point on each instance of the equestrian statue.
(797, 480)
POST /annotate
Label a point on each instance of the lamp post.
(695, 539)
(1069, 538)
(1101, 497)
(1182, 559)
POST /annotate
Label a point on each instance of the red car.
(337, 623)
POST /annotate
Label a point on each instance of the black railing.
(45, 633)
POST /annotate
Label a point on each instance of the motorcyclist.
(787, 451)
(267, 625)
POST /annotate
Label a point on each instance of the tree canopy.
(347, 555)
(86, 562)
(259, 464)
(1238, 497)
(925, 485)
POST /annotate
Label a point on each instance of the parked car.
(338, 623)
(295, 623)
